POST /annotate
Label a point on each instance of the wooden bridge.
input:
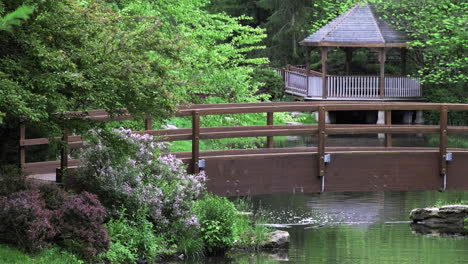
(306, 169)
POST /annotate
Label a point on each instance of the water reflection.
(354, 228)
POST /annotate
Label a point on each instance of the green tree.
(439, 29)
(439, 32)
(214, 58)
(76, 55)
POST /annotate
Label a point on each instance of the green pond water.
(351, 228)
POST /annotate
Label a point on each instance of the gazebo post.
(308, 51)
(382, 59)
(349, 59)
(403, 53)
(324, 71)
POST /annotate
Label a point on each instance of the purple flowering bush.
(24, 221)
(80, 225)
(76, 222)
(128, 170)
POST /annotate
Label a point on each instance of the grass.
(441, 203)
(249, 231)
(12, 255)
(453, 141)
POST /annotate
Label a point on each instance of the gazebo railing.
(344, 87)
(402, 87)
(296, 83)
(353, 86)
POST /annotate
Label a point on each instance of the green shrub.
(12, 179)
(53, 195)
(216, 216)
(134, 239)
(272, 83)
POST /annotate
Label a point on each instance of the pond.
(352, 228)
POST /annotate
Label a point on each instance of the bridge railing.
(322, 129)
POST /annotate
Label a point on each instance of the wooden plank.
(374, 129)
(45, 141)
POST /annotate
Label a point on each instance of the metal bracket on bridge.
(449, 156)
(202, 164)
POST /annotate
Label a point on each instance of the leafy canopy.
(74, 55)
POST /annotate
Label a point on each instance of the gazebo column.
(324, 72)
(349, 59)
(307, 63)
(382, 59)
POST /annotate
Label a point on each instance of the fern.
(15, 17)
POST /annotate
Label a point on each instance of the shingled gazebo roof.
(360, 26)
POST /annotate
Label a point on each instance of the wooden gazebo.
(359, 27)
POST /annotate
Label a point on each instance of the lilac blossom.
(142, 176)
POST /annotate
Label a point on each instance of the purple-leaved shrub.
(24, 221)
(128, 170)
(80, 222)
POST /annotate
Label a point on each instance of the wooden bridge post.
(195, 141)
(148, 123)
(388, 122)
(270, 122)
(22, 149)
(443, 139)
(64, 151)
(321, 144)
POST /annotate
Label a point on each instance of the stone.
(277, 239)
(293, 123)
(440, 217)
(169, 126)
(295, 114)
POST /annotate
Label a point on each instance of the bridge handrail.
(270, 130)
